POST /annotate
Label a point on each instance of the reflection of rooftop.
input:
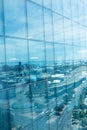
(58, 76)
(21, 103)
(56, 81)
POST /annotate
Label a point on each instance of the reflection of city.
(34, 97)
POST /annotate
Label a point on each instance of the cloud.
(34, 58)
(13, 59)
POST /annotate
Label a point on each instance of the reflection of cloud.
(83, 51)
(13, 59)
(34, 58)
(30, 37)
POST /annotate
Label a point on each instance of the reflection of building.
(42, 62)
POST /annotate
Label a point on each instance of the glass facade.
(43, 65)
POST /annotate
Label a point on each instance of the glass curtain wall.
(43, 64)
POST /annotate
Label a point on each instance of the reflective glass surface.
(43, 65)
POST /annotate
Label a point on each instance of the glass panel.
(18, 51)
(2, 54)
(48, 25)
(40, 104)
(81, 12)
(58, 28)
(47, 3)
(37, 60)
(15, 18)
(82, 35)
(49, 59)
(83, 53)
(38, 1)
(74, 8)
(76, 55)
(67, 8)
(1, 20)
(5, 115)
(68, 31)
(75, 34)
(60, 63)
(57, 6)
(83, 17)
(60, 53)
(21, 108)
(35, 21)
(69, 56)
(49, 54)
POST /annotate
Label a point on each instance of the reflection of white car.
(52, 110)
(42, 112)
(74, 122)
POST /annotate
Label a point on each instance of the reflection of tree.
(80, 112)
(84, 122)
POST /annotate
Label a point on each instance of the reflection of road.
(42, 120)
(65, 120)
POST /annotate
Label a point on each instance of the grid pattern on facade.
(43, 58)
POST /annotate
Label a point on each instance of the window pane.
(40, 106)
(67, 8)
(35, 21)
(82, 35)
(68, 31)
(69, 54)
(76, 54)
(57, 6)
(58, 28)
(37, 60)
(60, 53)
(49, 54)
(48, 25)
(21, 107)
(15, 18)
(47, 3)
(36, 50)
(18, 51)
(74, 8)
(76, 34)
(38, 1)
(49, 58)
(1, 15)
(2, 53)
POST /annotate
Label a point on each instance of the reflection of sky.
(65, 30)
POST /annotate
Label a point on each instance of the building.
(43, 64)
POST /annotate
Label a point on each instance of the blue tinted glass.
(35, 21)
(36, 51)
(15, 18)
(37, 1)
(59, 54)
(58, 28)
(48, 25)
(1, 16)
(68, 31)
(67, 8)
(47, 3)
(57, 6)
(2, 52)
(18, 51)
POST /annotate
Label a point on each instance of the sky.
(64, 25)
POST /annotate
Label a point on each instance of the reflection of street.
(44, 117)
(38, 111)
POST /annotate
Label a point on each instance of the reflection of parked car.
(75, 122)
(59, 109)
